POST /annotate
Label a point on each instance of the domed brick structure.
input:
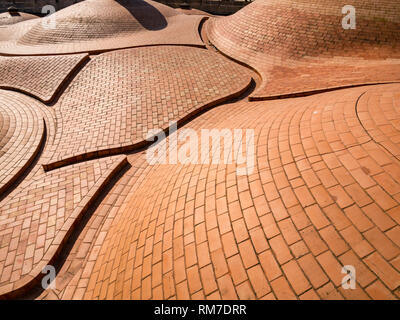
(288, 40)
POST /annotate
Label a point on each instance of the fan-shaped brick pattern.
(323, 194)
(119, 96)
(21, 135)
(100, 25)
(36, 221)
(300, 46)
(40, 76)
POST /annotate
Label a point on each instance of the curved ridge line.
(140, 145)
(9, 186)
(222, 53)
(62, 85)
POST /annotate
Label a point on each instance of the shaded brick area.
(37, 220)
(100, 25)
(38, 76)
(311, 206)
(21, 134)
(300, 46)
(119, 96)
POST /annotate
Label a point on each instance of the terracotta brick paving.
(21, 134)
(159, 85)
(323, 193)
(302, 46)
(38, 76)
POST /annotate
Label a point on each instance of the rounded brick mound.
(21, 135)
(120, 96)
(290, 40)
(38, 218)
(97, 25)
(40, 76)
(7, 19)
(322, 195)
(9, 34)
(379, 114)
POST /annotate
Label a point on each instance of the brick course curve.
(100, 25)
(21, 136)
(323, 195)
(37, 220)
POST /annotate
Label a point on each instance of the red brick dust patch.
(300, 46)
(119, 96)
(37, 220)
(40, 76)
(22, 133)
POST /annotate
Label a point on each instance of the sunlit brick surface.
(38, 76)
(119, 96)
(8, 19)
(299, 46)
(323, 194)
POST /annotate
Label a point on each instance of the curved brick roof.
(288, 39)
